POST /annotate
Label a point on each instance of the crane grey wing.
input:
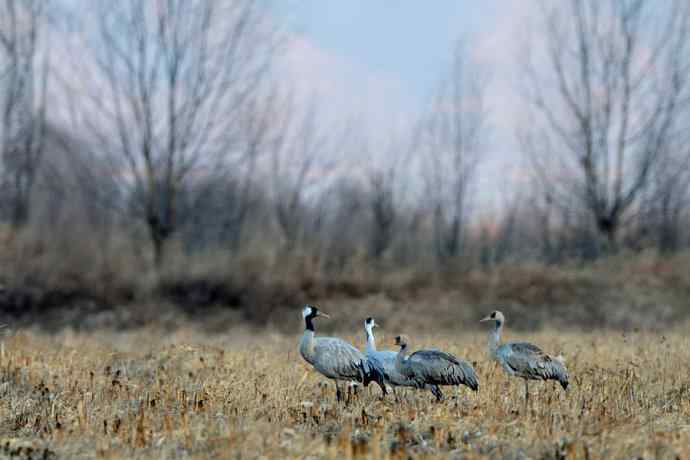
(378, 363)
(338, 359)
(525, 347)
(392, 375)
(529, 361)
(434, 355)
(440, 368)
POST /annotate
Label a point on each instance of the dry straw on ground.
(186, 395)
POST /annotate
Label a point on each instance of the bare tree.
(381, 197)
(345, 234)
(606, 91)
(300, 149)
(663, 206)
(262, 133)
(450, 143)
(385, 188)
(171, 96)
(23, 85)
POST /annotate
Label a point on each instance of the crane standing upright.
(335, 358)
(523, 359)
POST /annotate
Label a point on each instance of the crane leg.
(526, 394)
(338, 392)
(437, 392)
(351, 393)
(384, 391)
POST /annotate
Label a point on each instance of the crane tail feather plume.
(471, 379)
(559, 372)
(369, 373)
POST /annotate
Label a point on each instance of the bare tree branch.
(23, 86)
(171, 97)
(606, 92)
(453, 139)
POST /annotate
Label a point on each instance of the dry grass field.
(185, 394)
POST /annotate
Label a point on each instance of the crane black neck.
(308, 323)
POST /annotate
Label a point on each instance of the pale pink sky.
(375, 64)
(381, 72)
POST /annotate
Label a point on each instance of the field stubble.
(150, 394)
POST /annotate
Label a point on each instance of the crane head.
(369, 323)
(310, 311)
(401, 341)
(496, 316)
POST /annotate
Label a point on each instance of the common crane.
(523, 359)
(384, 361)
(334, 358)
(433, 367)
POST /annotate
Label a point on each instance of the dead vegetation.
(39, 286)
(191, 395)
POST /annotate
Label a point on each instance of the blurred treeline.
(157, 147)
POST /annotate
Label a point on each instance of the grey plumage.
(434, 367)
(384, 362)
(529, 361)
(523, 359)
(335, 358)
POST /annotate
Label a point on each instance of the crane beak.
(488, 318)
(325, 315)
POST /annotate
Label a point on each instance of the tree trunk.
(608, 227)
(159, 235)
(20, 209)
(20, 215)
(158, 250)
